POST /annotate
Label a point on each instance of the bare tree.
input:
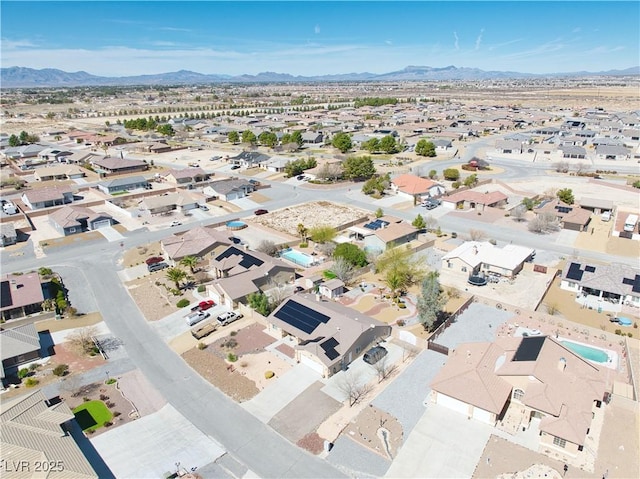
(409, 351)
(277, 292)
(561, 166)
(81, 340)
(477, 235)
(581, 168)
(353, 387)
(544, 223)
(519, 213)
(267, 247)
(384, 369)
(343, 270)
(430, 223)
(550, 193)
(326, 249)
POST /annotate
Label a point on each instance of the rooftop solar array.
(376, 225)
(329, 348)
(529, 348)
(636, 284)
(575, 273)
(590, 269)
(300, 317)
(5, 294)
(247, 261)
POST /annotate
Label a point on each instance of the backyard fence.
(431, 342)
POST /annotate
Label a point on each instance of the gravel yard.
(310, 215)
(154, 301)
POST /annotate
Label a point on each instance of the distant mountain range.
(15, 77)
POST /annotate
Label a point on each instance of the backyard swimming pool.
(592, 354)
(298, 257)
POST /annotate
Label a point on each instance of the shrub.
(455, 185)
(23, 373)
(110, 381)
(108, 423)
(116, 413)
(201, 346)
(233, 333)
(61, 370)
(34, 366)
(618, 332)
(400, 322)
(402, 306)
(86, 399)
(232, 358)
(630, 335)
(303, 245)
(202, 288)
(183, 303)
(269, 374)
(90, 431)
(30, 382)
(110, 404)
(103, 397)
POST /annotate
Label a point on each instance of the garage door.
(101, 224)
(451, 403)
(307, 361)
(483, 416)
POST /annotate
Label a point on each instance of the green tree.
(23, 137)
(388, 144)
(402, 260)
(379, 213)
(425, 148)
(419, 222)
(566, 196)
(190, 262)
(166, 130)
(296, 137)
(249, 137)
(351, 253)
(451, 174)
(371, 145)
(268, 139)
(14, 140)
(430, 301)
(176, 275)
(358, 168)
(342, 141)
(377, 185)
(322, 233)
(432, 174)
(233, 137)
(528, 203)
(470, 180)
(303, 232)
(260, 303)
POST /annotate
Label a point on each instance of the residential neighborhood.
(395, 285)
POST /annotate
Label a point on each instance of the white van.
(606, 216)
(630, 223)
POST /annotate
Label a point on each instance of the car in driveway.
(204, 305)
(196, 317)
(235, 167)
(154, 260)
(260, 212)
(228, 317)
(203, 207)
(430, 203)
(175, 223)
(374, 355)
(204, 330)
(156, 267)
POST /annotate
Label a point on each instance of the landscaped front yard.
(92, 415)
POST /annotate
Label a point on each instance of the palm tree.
(302, 231)
(190, 262)
(176, 275)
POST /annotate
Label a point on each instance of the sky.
(314, 38)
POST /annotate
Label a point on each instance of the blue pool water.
(236, 225)
(297, 257)
(592, 354)
(624, 321)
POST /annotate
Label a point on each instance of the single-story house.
(535, 380)
(275, 164)
(116, 166)
(509, 147)
(573, 151)
(199, 242)
(18, 346)
(331, 289)
(54, 154)
(597, 205)
(442, 145)
(473, 257)
(616, 283)
(392, 234)
(571, 217)
(249, 159)
(45, 197)
(312, 137)
(8, 234)
(180, 201)
(470, 199)
(23, 151)
(412, 186)
(122, 185)
(329, 335)
(611, 152)
(58, 172)
(186, 176)
(36, 431)
(20, 295)
(70, 220)
(81, 157)
(229, 189)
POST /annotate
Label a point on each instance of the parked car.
(156, 267)
(260, 212)
(300, 177)
(154, 259)
(214, 158)
(196, 317)
(374, 355)
(204, 305)
(203, 207)
(228, 317)
(235, 240)
(175, 223)
(204, 330)
(235, 167)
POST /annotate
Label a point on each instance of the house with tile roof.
(200, 242)
(115, 166)
(18, 346)
(329, 336)
(571, 217)
(536, 380)
(59, 172)
(180, 201)
(470, 199)
(20, 295)
(415, 187)
(70, 220)
(186, 176)
(36, 430)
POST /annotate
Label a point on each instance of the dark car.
(260, 212)
(374, 355)
(154, 259)
(235, 167)
(300, 177)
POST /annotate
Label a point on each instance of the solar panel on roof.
(628, 281)
(5, 294)
(247, 260)
(636, 284)
(376, 225)
(574, 272)
(300, 317)
(529, 348)
(590, 269)
(329, 348)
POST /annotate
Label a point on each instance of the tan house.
(181, 201)
(474, 200)
(329, 335)
(186, 176)
(58, 172)
(474, 257)
(200, 242)
(535, 380)
(35, 431)
(571, 217)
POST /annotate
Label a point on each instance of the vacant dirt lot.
(153, 300)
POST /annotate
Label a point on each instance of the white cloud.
(455, 43)
(317, 29)
(388, 42)
(479, 39)
(11, 44)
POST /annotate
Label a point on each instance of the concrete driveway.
(151, 446)
(110, 233)
(443, 444)
(174, 325)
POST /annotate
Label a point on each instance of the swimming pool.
(236, 225)
(298, 257)
(587, 352)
